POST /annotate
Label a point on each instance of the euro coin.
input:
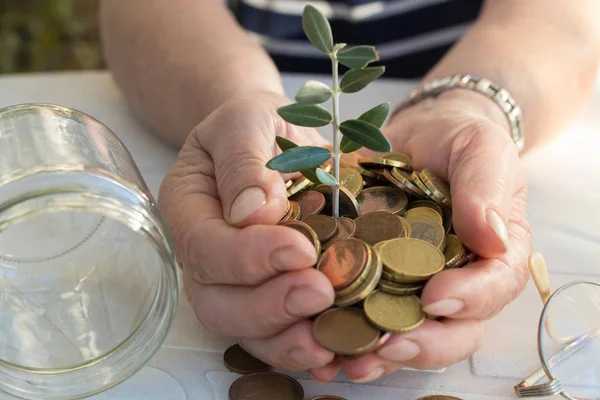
(395, 314)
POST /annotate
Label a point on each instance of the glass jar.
(88, 279)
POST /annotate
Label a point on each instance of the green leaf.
(358, 57)
(326, 178)
(313, 92)
(285, 144)
(376, 115)
(317, 29)
(365, 134)
(311, 174)
(299, 159)
(348, 146)
(357, 79)
(311, 115)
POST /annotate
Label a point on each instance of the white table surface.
(564, 210)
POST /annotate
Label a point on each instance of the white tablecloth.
(563, 209)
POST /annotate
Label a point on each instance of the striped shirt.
(410, 35)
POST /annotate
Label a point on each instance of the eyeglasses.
(568, 339)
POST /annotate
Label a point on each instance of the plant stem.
(336, 137)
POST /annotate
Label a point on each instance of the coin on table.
(379, 163)
(306, 230)
(395, 314)
(378, 226)
(323, 225)
(327, 398)
(436, 185)
(345, 230)
(424, 212)
(374, 270)
(343, 262)
(426, 203)
(401, 158)
(351, 179)
(240, 361)
(345, 331)
(400, 289)
(348, 204)
(311, 202)
(266, 385)
(439, 397)
(405, 179)
(412, 259)
(428, 230)
(382, 198)
(454, 252)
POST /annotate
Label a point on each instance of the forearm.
(545, 53)
(178, 60)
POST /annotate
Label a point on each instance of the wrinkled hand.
(245, 276)
(463, 137)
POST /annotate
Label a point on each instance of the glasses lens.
(570, 338)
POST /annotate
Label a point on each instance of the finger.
(435, 344)
(295, 349)
(327, 372)
(250, 193)
(263, 311)
(482, 289)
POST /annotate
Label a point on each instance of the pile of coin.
(258, 382)
(394, 232)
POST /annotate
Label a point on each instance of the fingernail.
(304, 301)
(250, 200)
(403, 350)
(495, 222)
(291, 257)
(444, 308)
(374, 374)
(301, 357)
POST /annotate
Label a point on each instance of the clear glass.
(88, 280)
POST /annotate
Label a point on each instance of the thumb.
(240, 140)
(483, 171)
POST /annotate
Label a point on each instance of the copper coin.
(240, 361)
(348, 204)
(288, 212)
(311, 202)
(382, 198)
(266, 385)
(323, 225)
(345, 230)
(343, 262)
(369, 282)
(428, 230)
(306, 230)
(377, 226)
(345, 331)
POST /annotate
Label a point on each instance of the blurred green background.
(49, 35)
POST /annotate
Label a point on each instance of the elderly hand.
(463, 137)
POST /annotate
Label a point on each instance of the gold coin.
(370, 174)
(345, 331)
(304, 183)
(428, 230)
(417, 181)
(437, 185)
(348, 204)
(395, 314)
(387, 275)
(382, 198)
(351, 179)
(401, 158)
(405, 179)
(454, 252)
(378, 163)
(424, 212)
(400, 289)
(412, 259)
(370, 283)
(406, 225)
(427, 203)
(288, 183)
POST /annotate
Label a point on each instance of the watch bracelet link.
(484, 86)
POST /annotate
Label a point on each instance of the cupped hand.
(463, 137)
(246, 277)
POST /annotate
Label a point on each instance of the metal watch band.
(484, 86)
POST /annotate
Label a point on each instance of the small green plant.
(307, 111)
